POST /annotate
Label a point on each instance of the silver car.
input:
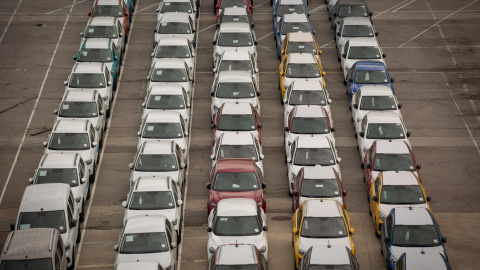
(234, 37)
(352, 27)
(170, 71)
(106, 27)
(175, 24)
(169, 97)
(175, 47)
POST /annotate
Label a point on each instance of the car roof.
(175, 17)
(425, 259)
(34, 243)
(163, 63)
(236, 165)
(158, 183)
(108, 2)
(156, 147)
(235, 76)
(236, 55)
(376, 90)
(313, 142)
(370, 65)
(236, 108)
(295, 17)
(234, 27)
(143, 224)
(303, 58)
(45, 197)
(383, 117)
(72, 125)
(97, 43)
(59, 160)
(309, 111)
(170, 40)
(170, 88)
(300, 37)
(322, 208)
(144, 265)
(318, 172)
(162, 116)
(291, 2)
(329, 255)
(88, 67)
(234, 11)
(392, 147)
(236, 207)
(357, 21)
(399, 178)
(236, 254)
(237, 138)
(176, 1)
(80, 95)
(412, 216)
(363, 41)
(102, 21)
(307, 85)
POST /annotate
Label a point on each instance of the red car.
(221, 4)
(236, 117)
(112, 8)
(388, 155)
(235, 178)
(315, 183)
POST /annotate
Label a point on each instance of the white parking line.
(138, 11)
(95, 265)
(36, 101)
(404, 6)
(65, 7)
(9, 21)
(442, 35)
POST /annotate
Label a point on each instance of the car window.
(370, 155)
(299, 217)
(175, 192)
(389, 225)
(92, 134)
(377, 186)
(290, 117)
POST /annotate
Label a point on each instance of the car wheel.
(356, 137)
(179, 234)
(361, 166)
(88, 192)
(79, 234)
(108, 112)
(344, 82)
(281, 100)
(293, 204)
(81, 217)
(381, 252)
(364, 179)
(271, 2)
(72, 266)
(92, 177)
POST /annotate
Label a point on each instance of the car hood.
(185, 85)
(258, 240)
(182, 112)
(169, 213)
(103, 91)
(349, 62)
(289, 80)
(136, 174)
(182, 142)
(256, 195)
(306, 243)
(218, 133)
(398, 251)
(163, 258)
(217, 102)
(291, 136)
(220, 49)
(83, 153)
(385, 208)
(190, 36)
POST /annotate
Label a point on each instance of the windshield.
(290, 27)
(320, 188)
(65, 176)
(393, 162)
(95, 55)
(169, 75)
(107, 11)
(87, 80)
(371, 77)
(352, 11)
(237, 226)
(237, 151)
(290, 9)
(236, 181)
(44, 219)
(156, 163)
(69, 141)
(301, 47)
(301, 97)
(235, 65)
(78, 109)
(166, 102)
(234, 39)
(233, 3)
(152, 200)
(234, 122)
(310, 125)
(176, 7)
(330, 267)
(174, 28)
(172, 52)
(323, 227)
(303, 70)
(135, 243)
(235, 18)
(364, 52)
(377, 103)
(314, 156)
(402, 195)
(415, 236)
(357, 31)
(235, 90)
(34, 264)
(385, 131)
(162, 131)
(101, 32)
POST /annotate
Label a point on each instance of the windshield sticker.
(170, 204)
(91, 30)
(42, 173)
(235, 186)
(340, 232)
(249, 43)
(320, 186)
(291, 9)
(157, 98)
(183, 78)
(295, 27)
(411, 167)
(421, 199)
(179, 135)
(150, 128)
(235, 41)
(255, 186)
(256, 230)
(326, 130)
(253, 127)
(173, 166)
(65, 106)
(129, 238)
(223, 219)
(74, 181)
(61, 227)
(158, 72)
(167, 4)
(435, 241)
(301, 47)
(164, 24)
(24, 226)
(336, 192)
(101, 84)
(235, 93)
(236, 19)
(331, 161)
(84, 145)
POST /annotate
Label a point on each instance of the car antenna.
(236, 243)
(423, 251)
(410, 207)
(328, 245)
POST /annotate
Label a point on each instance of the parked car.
(143, 264)
(234, 37)
(237, 255)
(176, 47)
(112, 8)
(357, 49)
(370, 73)
(329, 257)
(350, 8)
(106, 27)
(171, 71)
(167, 97)
(292, 23)
(284, 7)
(235, 14)
(422, 260)
(352, 27)
(237, 145)
(305, 92)
(176, 24)
(237, 60)
(300, 42)
(219, 5)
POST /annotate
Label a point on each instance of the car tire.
(376, 226)
(79, 234)
(81, 217)
(91, 178)
(344, 82)
(72, 267)
(338, 58)
(88, 192)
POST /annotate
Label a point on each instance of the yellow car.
(300, 42)
(299, 66)
(394, 189)
(320, 222)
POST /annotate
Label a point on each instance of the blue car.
(367, 73)
(101, 50)
(283, 7)
(130, 4)
(290, 23)
(410, 230)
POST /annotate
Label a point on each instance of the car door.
(369, 157)
(387, 229)
(72, 214)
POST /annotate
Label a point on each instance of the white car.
(305, 121)
(137, 264)
(106, 27)
(234, 14)
(83, 104)
(170, 71)
(234, 86)
(155, 195)
(330, 257)
(382, 125)
(237, 145)
(356, 49)
(352, 27)
(372, 98)
(92, 76)
(237, 220)
(236, 118)
(306, 92)
(177, 6)
(300, 66)
(175, 47)
(237, 60)
(293, 23)
(159, 158)
(75, 136)
(164, 125)
(169, 97)
(176, 24)
(150, 237)
(310, 151)
(234, 37)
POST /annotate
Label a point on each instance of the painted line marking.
(65, 7)
(10, 21)
(403, 6)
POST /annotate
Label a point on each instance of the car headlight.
(212, 203)
(364, 150)
(393, 259)
(301, 251)
(260, 203)
(359, 120)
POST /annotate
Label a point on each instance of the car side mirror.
(89, 13)
(281, 73)
(74, 57)
(138, 134)
(213, 125)
(262, 156)
(352, 230)
(255, 42)
(88, 162)
(286, 129)
(188, 105)
(419, 166)
(143, 104)
(209, 186)
(30, 180)
(409, 134)
(121, 35)
(83, 180)
(332, 129)
(209, 229)
(115, 248)
(12, 227)
(212, 94)
(361, 134)
(214, 70)
(109, 83)
(211, 249)
(344, 193)
(285, 100)
(78, 199)
(313, 32)
(258, 94)
(183, 165)
(355, 106)
(375, 198)
(384, 55)
(295, 193)
(368, 166)
(186, 133)
(259, 125)
(74, 223)
(386, 239)
(264, 185)
(155, 30)
(94, 144)
(55, 112)
(212, 157)
(376, 34)
(82, 34)
(130, 165)
(179, 202)
(350, 80)
(339, 159)
(44, 144)
(265, 228)
(124, 204)
(329, 101)
(429, 198)
(294, 230)
(370, 14)
(214, 42)
(338, 34)
(444, 239)
(102, 112)
(65, 83)
(344, 55)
